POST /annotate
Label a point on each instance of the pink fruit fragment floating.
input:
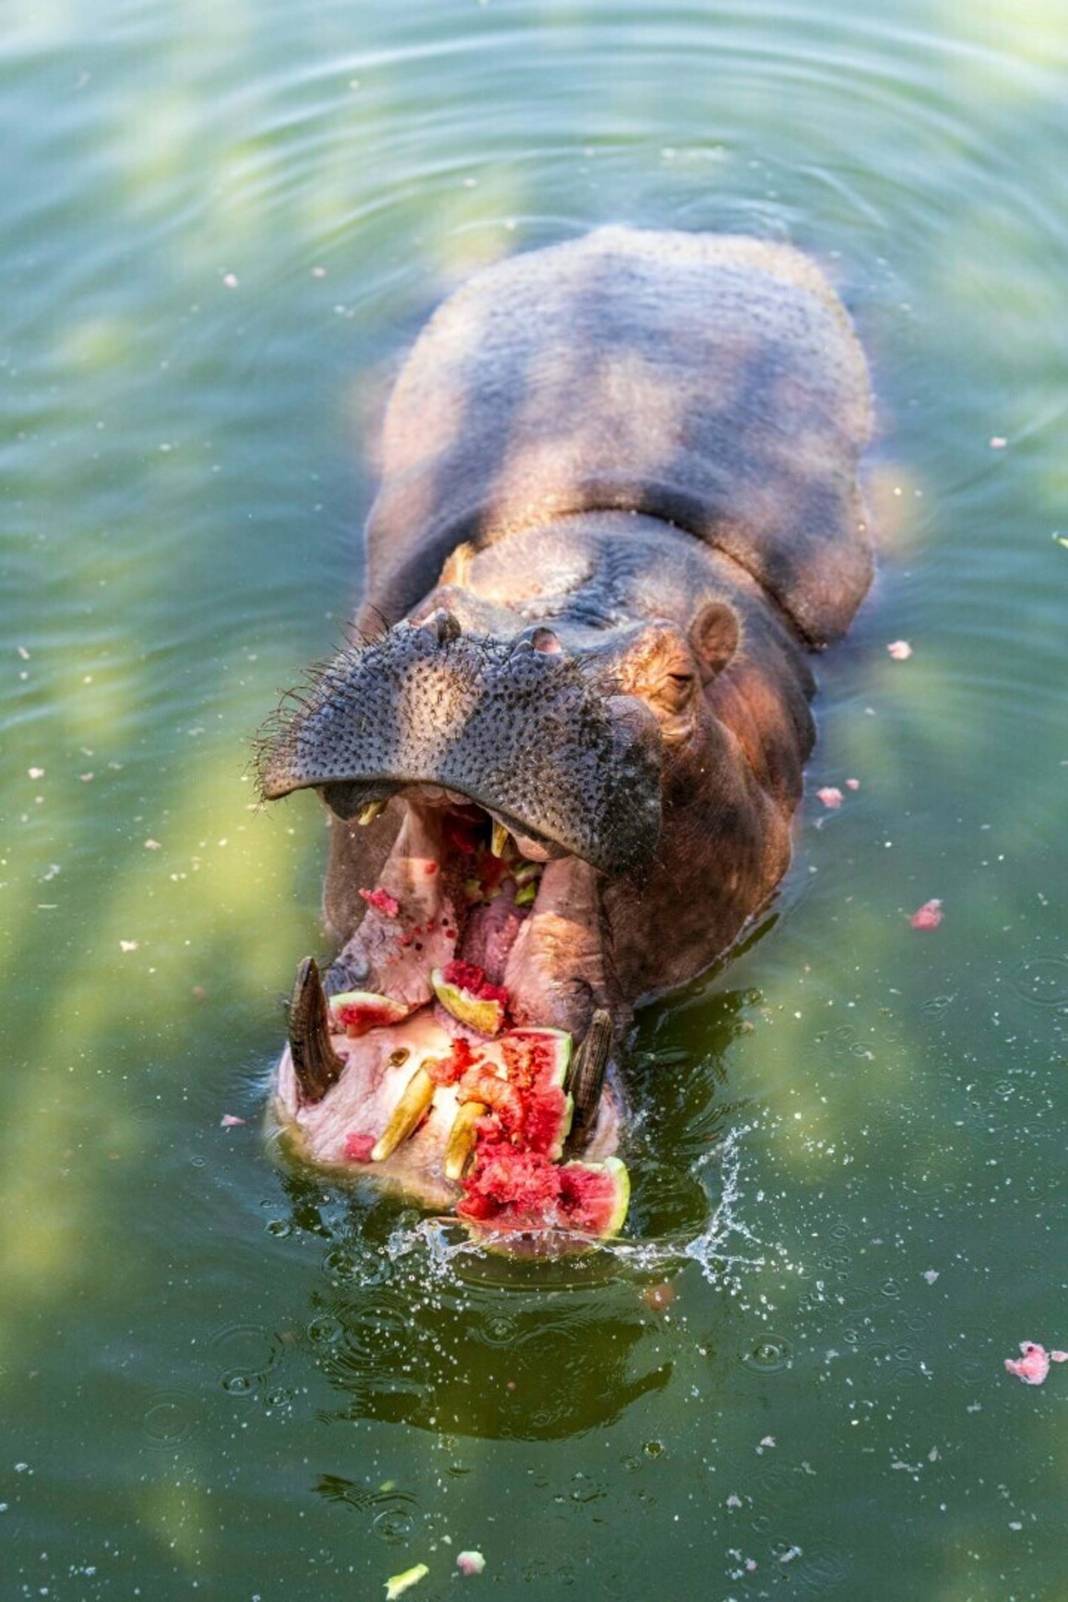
(1033, 1366)
(900, 650)
(929, 916)
(831, 796)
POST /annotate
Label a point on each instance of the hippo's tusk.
(587, 1077)
(462, 1137)
(418, 1094)
(499, 843)
(369, 813)
(315, 1062)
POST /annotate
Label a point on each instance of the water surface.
(221, 225)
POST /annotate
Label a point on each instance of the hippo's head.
(529, 777)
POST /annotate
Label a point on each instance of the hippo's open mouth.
(503, 786)
(476, 941)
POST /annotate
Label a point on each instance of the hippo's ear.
(714, 636)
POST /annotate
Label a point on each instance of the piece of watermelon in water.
(358, 1011)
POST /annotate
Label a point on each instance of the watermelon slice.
(510, 1190)
(357, 1011)
(464, 991)
(536, 1063)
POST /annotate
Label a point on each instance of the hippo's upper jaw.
(512, 726)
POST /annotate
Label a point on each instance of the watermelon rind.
(396, 1011)
(484, 1016)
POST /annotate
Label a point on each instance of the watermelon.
(511, 1190)
(536, 1063)
(520, 1081)
(357, 1011)
(464, 991)
(508, 1139)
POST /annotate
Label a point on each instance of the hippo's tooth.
(367, 814)
(418, 1094)
(462, 1137)
(499, 843)
(315, 1062)
(587, 1077)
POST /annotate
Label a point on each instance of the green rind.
(565, 1129)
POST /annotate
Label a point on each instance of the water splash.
(725, 1249)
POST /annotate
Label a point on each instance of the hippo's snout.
(515, 727)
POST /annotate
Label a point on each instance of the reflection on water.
(222, 225)
(421, 1325)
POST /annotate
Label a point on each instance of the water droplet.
(393, 1525)
(325, 1330)
(237, 1383)
(768, 1355)
(1043, 981)
(169, 1417)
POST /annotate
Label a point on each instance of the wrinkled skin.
(618, 510)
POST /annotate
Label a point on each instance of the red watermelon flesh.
(358, 1011)
(536, 1062)
(509, 1189)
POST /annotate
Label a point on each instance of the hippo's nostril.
(539, 638)
(444, 625)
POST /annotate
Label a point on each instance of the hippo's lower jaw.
(457, 887)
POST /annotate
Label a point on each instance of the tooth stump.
(406, 1115)
(462, 1137)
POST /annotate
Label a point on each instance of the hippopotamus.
(618, 513)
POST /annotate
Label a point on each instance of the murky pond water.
(221, 223)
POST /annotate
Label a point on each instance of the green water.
(220, 224)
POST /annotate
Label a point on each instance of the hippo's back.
(711, 381)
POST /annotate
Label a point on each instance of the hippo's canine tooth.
(587, 1077)
(418, 1094)
(499, 843)
(462, 1137)
(315, 1062)
(370, 812)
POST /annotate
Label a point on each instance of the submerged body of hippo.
(618, 510)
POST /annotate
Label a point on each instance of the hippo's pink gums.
(618, 509)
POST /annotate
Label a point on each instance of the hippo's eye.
(675, 691)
